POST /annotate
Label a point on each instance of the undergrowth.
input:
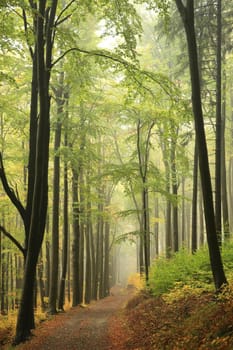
(188, 269)
(181, 309)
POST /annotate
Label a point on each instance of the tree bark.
(76, 240)
(61, 299)
(225, 215)
(194, 201)
(218, 151)
(187, 14)
(56, 199)
(174, 191)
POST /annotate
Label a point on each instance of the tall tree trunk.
(168, 233)
(225, 215)
(194, 201)
(76, 240)
(61, 299)
(82, 233)
(25, 321)
(218, 175)
(230, 170)
(89, 242)
(201, 217)
(41, 280)
(183, 213)
(1, 277)
(59, 93)
(174, 192)
(101, 250)
(47, 267)
(143, 152)
(93, 265)
(3, 282)
(187, 15)
(156, 227)
(97, 258)
(88, 276)
(106, 258)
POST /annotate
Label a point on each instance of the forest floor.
(127, 320)
(83, 327)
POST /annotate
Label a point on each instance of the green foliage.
(186, 269)
(183, 268)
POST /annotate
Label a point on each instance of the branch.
(26, 32)
(130, 182)
(181, 8)
(147, 148)
(9, 191)
(63, 20)
(8, 235)
(58, 21)
(99, 53)
(166, 84)
(140, 162)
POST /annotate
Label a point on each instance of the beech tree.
(187, 15)
(44, 31)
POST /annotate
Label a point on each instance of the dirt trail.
(80, 328)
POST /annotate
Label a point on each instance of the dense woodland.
(116, 135)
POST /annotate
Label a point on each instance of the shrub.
(183, 268)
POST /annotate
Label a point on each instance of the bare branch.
(58, 21)
(63, 20)
(8, 235)
(9, 191)
(26, 33)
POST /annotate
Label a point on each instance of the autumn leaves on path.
(94, 327)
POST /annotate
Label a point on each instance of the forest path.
(87, 328)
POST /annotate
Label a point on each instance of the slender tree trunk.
(194, 201)
(225, 215)
(89, 255)
(88, 276)
(47, 267)
(230, 170)
(218, 162)
(93, 265)
(183, 213)
(175, 193)
(143, 152)
(56, 200)
(76, 240)
(101, 251)
(201, 217)
(3, 283)
(61, 300)
(145, 211)
(168, 233)
(82, 233)
(106, 258)
(156, 227)
(97, 261)
(41, 281)
(1, 277)
(187, 14)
